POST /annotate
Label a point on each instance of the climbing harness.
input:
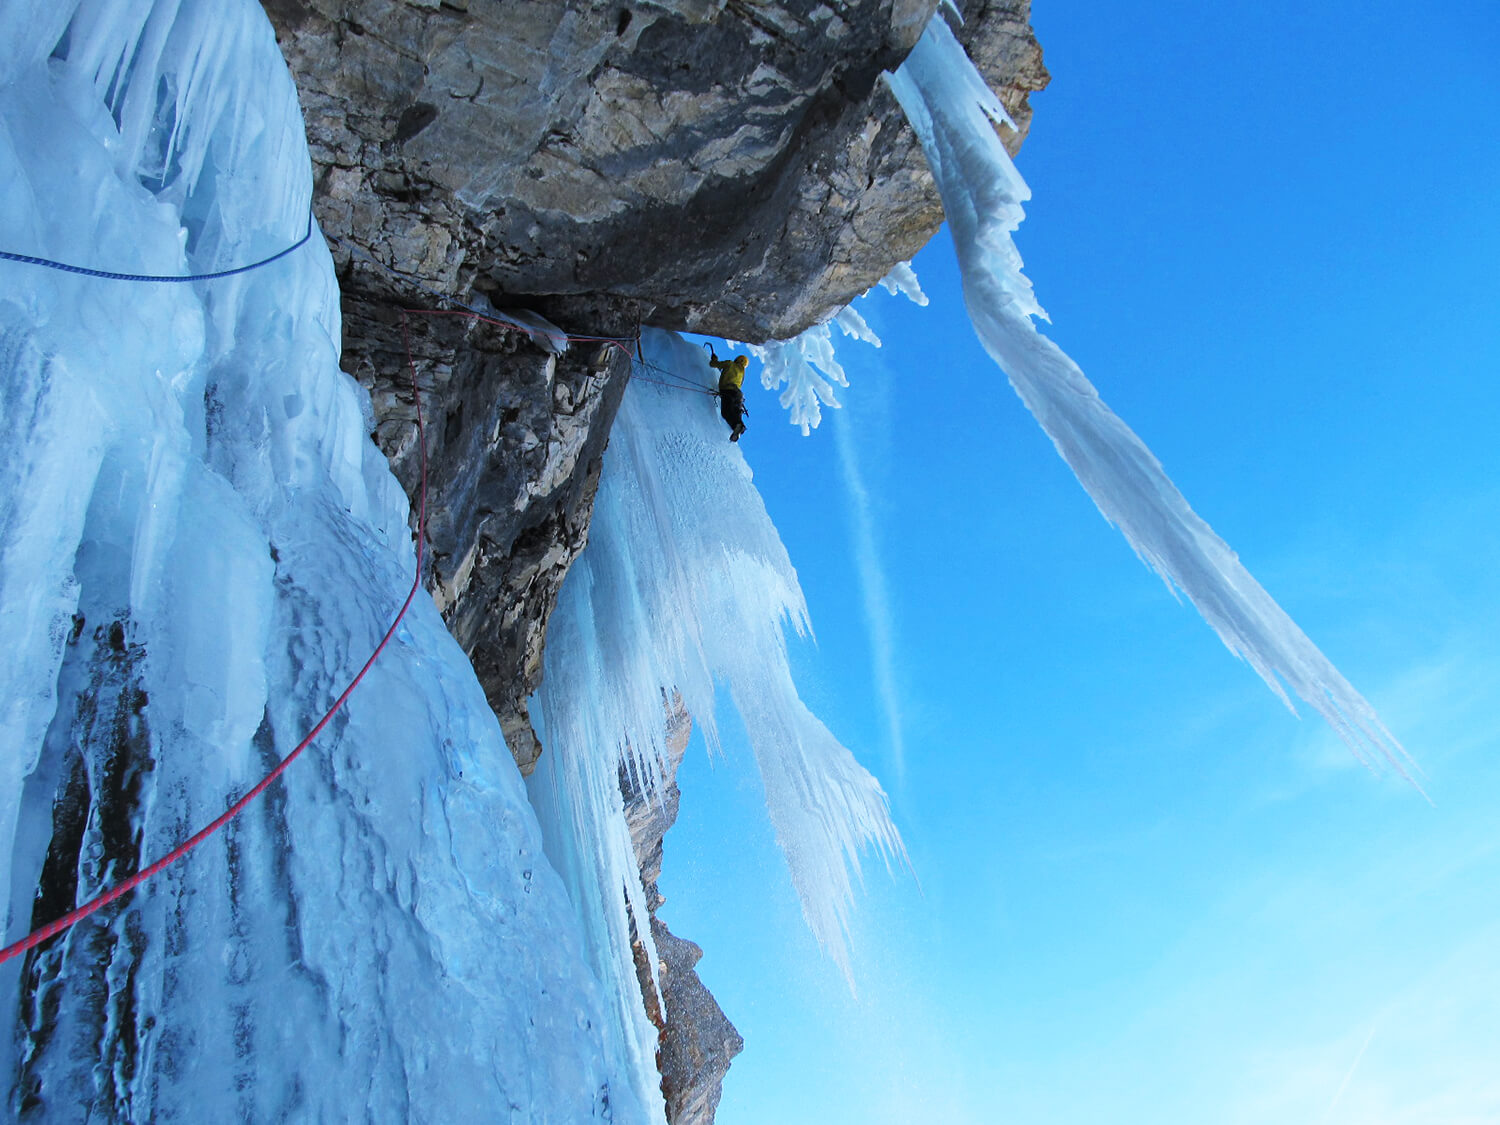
(110, 275)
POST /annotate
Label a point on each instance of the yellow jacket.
(731, 371)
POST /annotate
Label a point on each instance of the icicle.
(806, 365)
(685, 582)
(852, 324)
(951, 108)
(902, 280)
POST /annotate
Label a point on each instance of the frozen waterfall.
(954, 114)
(200, 545)
(685, 587)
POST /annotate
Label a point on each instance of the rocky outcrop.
(731, 166)
(697, 1040)
(515, 439)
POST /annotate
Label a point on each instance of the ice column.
(953, 112)
(685, 586)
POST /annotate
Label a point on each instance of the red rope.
(109, 896)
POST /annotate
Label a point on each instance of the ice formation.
(807, 367)
(902, 281)
(806, 364)
(685, 585)
(200, 544)
(953, 111)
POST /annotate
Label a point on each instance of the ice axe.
(714, 358)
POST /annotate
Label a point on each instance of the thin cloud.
(1338, 1095)
(875, 593)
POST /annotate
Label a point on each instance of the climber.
(731, 396)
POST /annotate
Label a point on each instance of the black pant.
(732, 408)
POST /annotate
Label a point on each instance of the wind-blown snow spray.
(198, 545)
(685, 584)
(954, 112)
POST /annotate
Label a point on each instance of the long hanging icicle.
(685, 586)
(953, 112)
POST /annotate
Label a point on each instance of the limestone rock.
(515, 441)
(697, 1041)
(730, 166)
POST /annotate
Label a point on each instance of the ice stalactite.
(902, 281)
(685, 586)
(954, 113)
(807, 366)
(199, 544)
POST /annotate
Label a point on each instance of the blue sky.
(1143, 891)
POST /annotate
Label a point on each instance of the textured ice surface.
(952, 110)
(685, 585)
(198, 545)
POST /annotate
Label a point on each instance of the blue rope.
(108, 275)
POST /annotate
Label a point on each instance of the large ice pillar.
(685, 585)
(953, 111)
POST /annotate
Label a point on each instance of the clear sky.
(1144, 892)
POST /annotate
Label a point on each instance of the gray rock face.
(729, 166)
(697, 1041)
(515, 438)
